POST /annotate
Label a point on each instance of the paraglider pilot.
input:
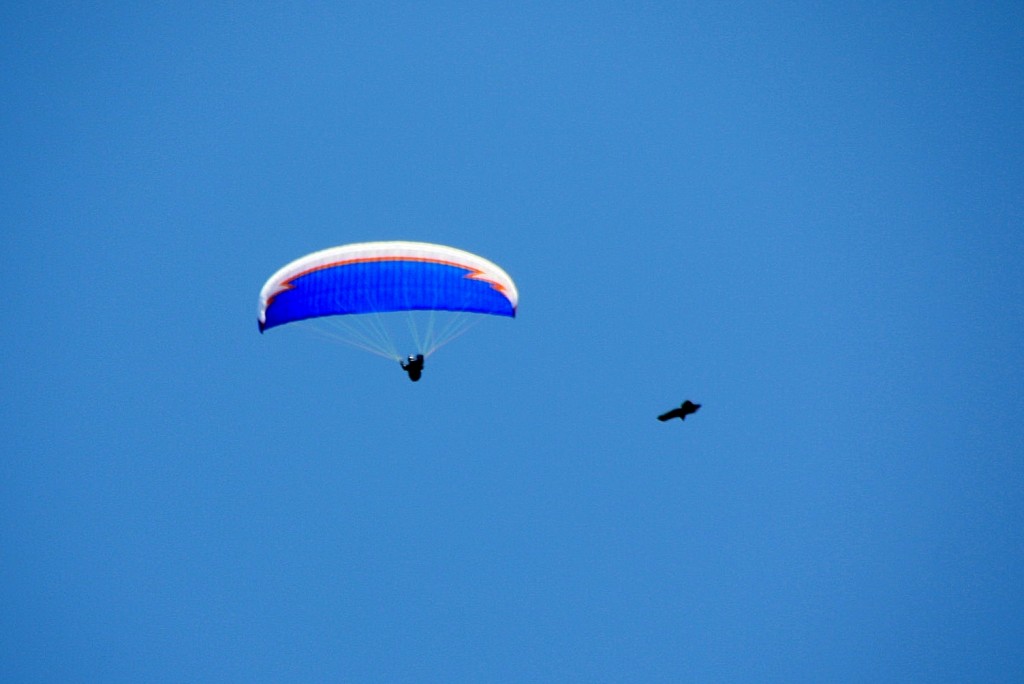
(414, 367)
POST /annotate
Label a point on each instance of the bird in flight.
(686, 409)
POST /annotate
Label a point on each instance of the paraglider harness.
(414, 367)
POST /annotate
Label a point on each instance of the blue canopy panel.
(382, 284)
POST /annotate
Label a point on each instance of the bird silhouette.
(686, 409)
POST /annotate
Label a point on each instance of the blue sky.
(806, 217)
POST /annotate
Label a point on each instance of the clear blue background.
(806, 216)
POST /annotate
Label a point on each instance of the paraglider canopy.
(358, 288)
(375, 277)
